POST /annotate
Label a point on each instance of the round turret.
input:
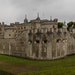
(37, 17)
(25, 20)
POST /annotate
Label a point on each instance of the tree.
(60, 24)
(69, 24)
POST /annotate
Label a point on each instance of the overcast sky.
(15, 10)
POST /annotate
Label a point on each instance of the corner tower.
(25, 20)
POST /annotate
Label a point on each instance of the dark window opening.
(24, 27)
(21, 27)
(53, 26)
(58, 40)
(22, 42)
(37, 41)
(0, 29)
(45, 41)
(9, 34)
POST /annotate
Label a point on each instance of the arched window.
(37, 41)
(58, 40)
(45, 41)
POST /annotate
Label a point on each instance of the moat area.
(5, 73)
(15, 65)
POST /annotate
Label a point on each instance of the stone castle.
(37, 39)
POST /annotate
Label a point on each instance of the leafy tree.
(69, 24)
(68, 28)
(60, 24)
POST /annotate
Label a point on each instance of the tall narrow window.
(0, 29)
(9, 34)
(24, 27)
(53, 26)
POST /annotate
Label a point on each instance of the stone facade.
(37, 39)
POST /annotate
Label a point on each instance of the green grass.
(61, 71)
(22, 60)
(4, 73)
(64, 66)
(3, 67)
(17, 59)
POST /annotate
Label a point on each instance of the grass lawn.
(22, 66)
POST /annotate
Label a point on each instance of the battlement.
(11, 24)
(46, 31)
(17, 23)
(2, 23)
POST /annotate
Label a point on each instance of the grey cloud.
(15, 10)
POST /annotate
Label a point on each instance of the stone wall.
(37, 39)
(39, 44)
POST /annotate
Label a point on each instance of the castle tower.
(25, 20)
(38, 18)
(64, 23)
(64, 27)
(50, 18)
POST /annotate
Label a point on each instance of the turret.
(25, 20)
(64, 27)
(37, 17)
(55, 20)
(50, 18)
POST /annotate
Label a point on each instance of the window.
(21, 27)
(9, 34)
(29, 41)
(37, 41)
(24, 27)
(5, 30)
(45, 41)
(63, 40)
(53, 26)
(0, 29)
(58, 40)
(22, 42)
